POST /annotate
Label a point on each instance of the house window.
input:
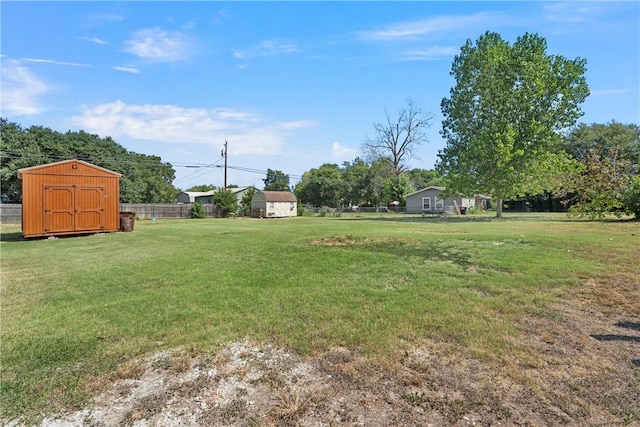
(272, 205)
(439, 204)
(426, 203)
(291, 206)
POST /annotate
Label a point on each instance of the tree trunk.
(499, 208)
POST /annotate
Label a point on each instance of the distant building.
(274, 204)
(206, 197)
(431, 200)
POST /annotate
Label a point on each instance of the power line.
(201, 167)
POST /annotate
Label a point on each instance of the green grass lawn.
(74, 309)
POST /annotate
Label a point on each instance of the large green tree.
(203, 188)
(423, 178)
(613, 140)
(355, 176)
(631, 197)
(504, 114)
(145, 178)
(397, 188)
(609, 155)
(276, 181)
(322, 186)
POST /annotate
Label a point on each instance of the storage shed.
(274, 204)
(69, 197)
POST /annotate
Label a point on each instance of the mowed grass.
(74, 309)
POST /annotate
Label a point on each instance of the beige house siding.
(274, 204)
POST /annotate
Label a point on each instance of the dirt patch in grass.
(576, 362)
(339, 241)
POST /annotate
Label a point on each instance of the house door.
(73, 208)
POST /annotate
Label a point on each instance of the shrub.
(323, 212)
(245, 203)
(474, 210)
(226, 202)
(197, 210)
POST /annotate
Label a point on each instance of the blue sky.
(289, 85)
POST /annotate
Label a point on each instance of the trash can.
(127, 219)
(463, 210)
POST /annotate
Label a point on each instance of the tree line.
(510, 130)
(145, 178)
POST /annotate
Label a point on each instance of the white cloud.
(249, 133)
(94, 40)
(429, 53)
(574, 11)
(159, 45)
(267, 48)
(127, 69)
(20, 89)
(341, 152)
(425, 27)
(603, 92)
(104, 18)
(221, 16)
(51, 61)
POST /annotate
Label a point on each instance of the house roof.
(279, 196)
(82, 162)
(236, 190)
(433, 187)
(199, 193)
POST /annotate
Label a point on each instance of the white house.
(206, 197)
(274, 204)
(430, 200)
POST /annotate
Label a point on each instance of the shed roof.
(279, 196)
(49, 165)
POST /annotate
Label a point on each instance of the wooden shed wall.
(68, 198)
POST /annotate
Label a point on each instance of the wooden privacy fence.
(12, 213)
(165, 210)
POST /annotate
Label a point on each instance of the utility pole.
(224, 154)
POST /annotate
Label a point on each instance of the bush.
(474, 210)
(197, 210)
(245, 203)
(226, 202)
(323, 212)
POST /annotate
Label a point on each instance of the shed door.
(89, 208)
(71, 208)
(58, 209)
